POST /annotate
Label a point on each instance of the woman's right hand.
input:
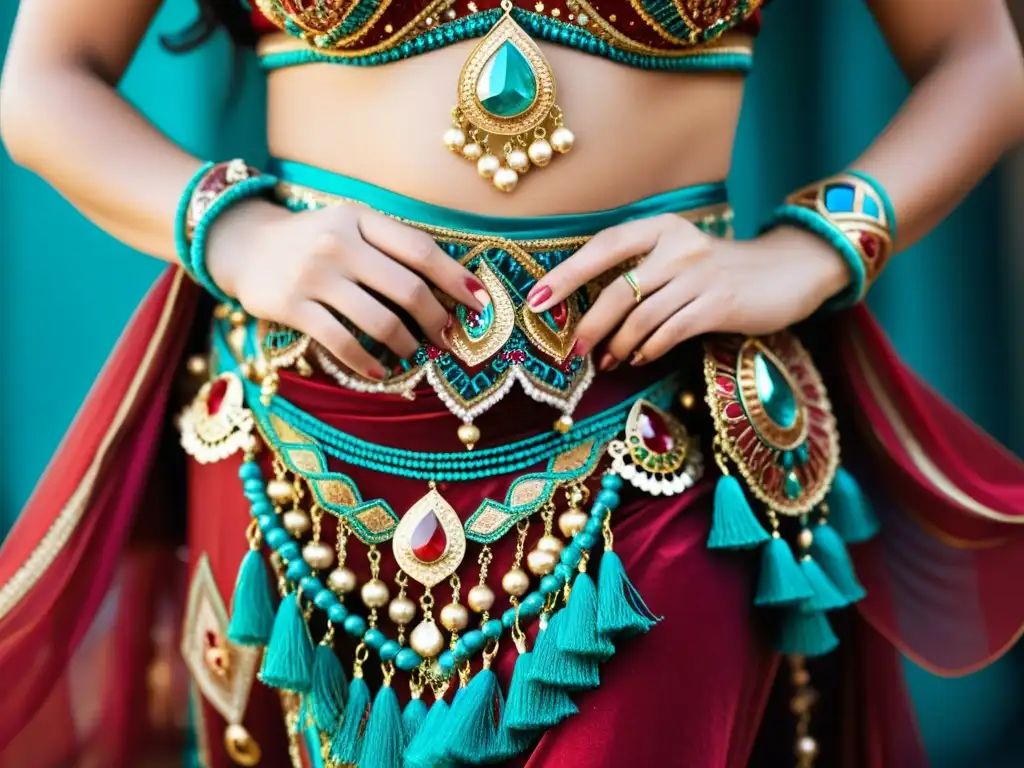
(299, 269)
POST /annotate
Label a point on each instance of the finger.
(418, 251)
(651, 314)
(700, 316)
(604, 250)
(371, 317)
(404, 287)
(316, 321)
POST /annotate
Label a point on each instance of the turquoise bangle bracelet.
(890, 209)
(181, 242)
(252, 187)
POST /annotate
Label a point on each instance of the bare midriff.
(638, 132)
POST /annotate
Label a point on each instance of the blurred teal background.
(825, 85)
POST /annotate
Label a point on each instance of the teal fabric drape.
(823, 86)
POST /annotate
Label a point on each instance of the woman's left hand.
(691, 283)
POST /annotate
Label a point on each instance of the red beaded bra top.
(655, 34)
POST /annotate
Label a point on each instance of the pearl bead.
(375, 593)
(197, 365)
(296, 522)
(563, 424)
(480, 598)
(517, 160)
(341, 581)
(540, 562)
(402, 610)
(280, 491)
(454, 617)
(455, 139)
(506, 179)
(318, 555)
(472, 151)
(469, 434)
(572, 522)
(241, 747)
(516, 582)
(552, 544)
(238, 318)
(540, 152)
(562, 139)
(806, 538)
(427, 639)
(807, 746)
(488, 165)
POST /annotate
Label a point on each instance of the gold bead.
(562, 139)
(238, 318)
(480, 598)
(241, 747)
(517, 160)
(806, 538)
(541, 563)
(375, 593)
(296, 522)
(341, 581)
(540, 152)
(552, 544)
(801, 677)
(303, 368)
(687, 400)
(563, 424)
(319, 556)
(426, 639)
(401, 610)
(488, 165)
(572, 522)
(280, 491)
(469, 434)
(506, 179)
(455, 139)
(516, 582)
(197, 365)
(473, 151)
(454, 617)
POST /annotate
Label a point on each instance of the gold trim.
(915, 451)
(56, 538)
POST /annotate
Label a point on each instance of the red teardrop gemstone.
(560, 315)
(428, 539)
(215, 399)
(655, 432)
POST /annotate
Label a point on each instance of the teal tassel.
(734, 525)
(565, 670)
(384, 737)
(825, 596)
(620, 609)
(781, 582)
(288, 661)
(252, 607)
(579, 635)
(477, 734)
(328, 695)
(849, 510)
(412, 718)
(805, 633)
(348, 737)
(830, 553)
(533, 706)
(425, 749)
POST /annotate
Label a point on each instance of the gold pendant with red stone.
(217, 424)
(657, 454)
(429, 542)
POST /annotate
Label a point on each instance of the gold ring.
(631, 279)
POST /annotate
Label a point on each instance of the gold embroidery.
(527, 492)
(488, 521)
(336, 492)
(574, 458)
(305, 460)
(375, 519)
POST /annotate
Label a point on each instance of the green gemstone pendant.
(506, 120)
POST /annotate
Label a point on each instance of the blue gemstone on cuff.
(355, 625)
(839, 198)
(870, 207)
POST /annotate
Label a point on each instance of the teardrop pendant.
(507, 107)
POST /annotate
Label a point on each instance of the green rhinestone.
(792, 486)
(773, 389)
(507, 84)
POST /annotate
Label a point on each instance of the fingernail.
(638, 358)
(377, 373)
(538, 295)
(479, 292)
(579, 348)
(609, 362)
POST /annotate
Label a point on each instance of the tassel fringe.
(288, 661)
(252, 606)
(329, 688)
(565, 670)
(850, 512)
(781, 581)
(413, 717)
(734, 525)
(830, 553)
(384, 738)
(533, 706)
(825, 596)
(579, 635)
(621, 611)
(424, 750)
(805, 633)
(348, 737)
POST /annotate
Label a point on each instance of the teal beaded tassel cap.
(534, 706)
(329, 688)
(563, 670)
(252, 607)
(348, 737)
(733, 524)
(579, 635)
(781, 581)
(288, 660)
(850, 512)
(830, 553)
(384, 737)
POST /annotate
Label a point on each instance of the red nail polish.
(579, 348)
(377, 373)
(479, 292)
(538, 295)
(609, 362)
